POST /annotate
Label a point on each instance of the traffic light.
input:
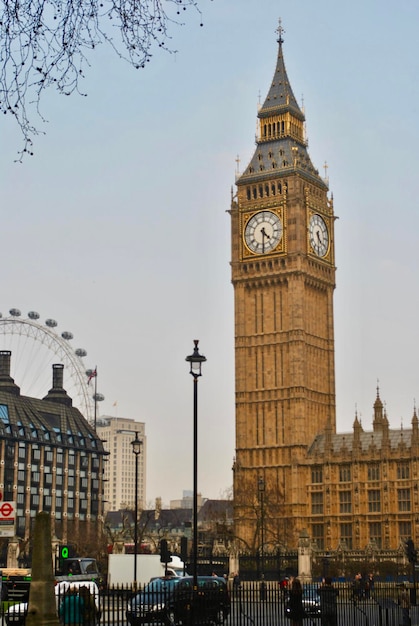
(411, 552)
(184, 549)
(165, 555)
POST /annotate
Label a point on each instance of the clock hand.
(318, 237)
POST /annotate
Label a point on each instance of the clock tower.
(283, 273)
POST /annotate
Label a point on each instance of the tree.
(45, 43)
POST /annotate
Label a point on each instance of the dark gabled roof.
(52, 420)
(216, 510)
(165, 518)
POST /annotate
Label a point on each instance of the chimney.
(6, 381)
(58, 393)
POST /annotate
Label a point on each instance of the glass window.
(403, 471)
(317, 474)
(375, 533)
(374, 501)
(345, 501)
(345, 473)
(373, 471)
(403, 497)
(317, 531)
(4, 413)
(346, 534)
(405, 530)
(317, 503)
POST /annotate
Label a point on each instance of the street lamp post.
(195, 360)
(136, 448)
(261, 488)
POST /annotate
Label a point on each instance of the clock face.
(319, 235)
(263, 232)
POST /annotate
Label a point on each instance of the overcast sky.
(118, 226)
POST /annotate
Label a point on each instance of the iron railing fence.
(251, 604)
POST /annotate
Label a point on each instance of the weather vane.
(280, 31)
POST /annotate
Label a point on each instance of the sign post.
(7, 519)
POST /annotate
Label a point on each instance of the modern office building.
(293, 471)
(117, 433)
(50, 458)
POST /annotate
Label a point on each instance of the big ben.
(283, 273)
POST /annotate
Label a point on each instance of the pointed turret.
(378, 421)
(356, 446)
(415, 429)
(281, 145)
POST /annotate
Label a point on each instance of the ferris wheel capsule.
(51, 323)
(33, 315)
(15, 312)
(80, 352)
(98, 397)
(67, 335)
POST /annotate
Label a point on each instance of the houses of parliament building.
(293, 472)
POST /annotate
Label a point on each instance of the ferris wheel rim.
(30, 327)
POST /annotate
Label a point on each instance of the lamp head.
(136, 445)
(196, 360)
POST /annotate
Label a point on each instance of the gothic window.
(316, 474)
(405, 530)
(317, 503)
(317, 534)
(273, 189)
(345, 473)
(403, 498)
(260, 191)
(248, 193)
(403, 471)
(374, 501)
(346, 534)
(345, 502)
(279, 188)
(373, 472)
(266, 190)
(255, 193)
(375, 533)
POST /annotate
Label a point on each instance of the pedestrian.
(90, 613)
(71, 608)
(295, 603)
(236, 582)
(357, 587)
(404, 601)
(328, 602)
(369, 586)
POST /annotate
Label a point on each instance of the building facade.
(50, 459)
(117, 433)
(292, 471)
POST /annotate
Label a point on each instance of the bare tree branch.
(45, 43)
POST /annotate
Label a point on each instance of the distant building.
(117, 433)
(50, 458)
(187, 501)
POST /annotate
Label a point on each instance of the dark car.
(172, 601)
(311, 601)
(208, 604)
(154, 603)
